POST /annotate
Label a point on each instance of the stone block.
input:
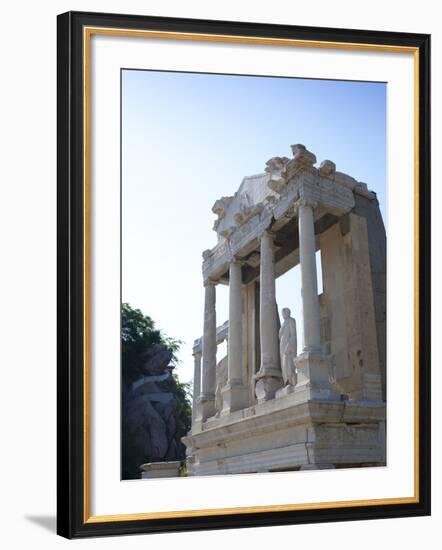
(286, 434)
(234, 397)
(314, 377)
(155, 470)
(206, 406)
(266, 385)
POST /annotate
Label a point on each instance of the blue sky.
(188, 139)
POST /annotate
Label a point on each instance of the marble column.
(235, 351)
(235, 392)
(207, 397)
(197, 356)
(312, 366)
(269, 377)
(309, 281)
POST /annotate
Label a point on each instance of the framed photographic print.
(243, 274)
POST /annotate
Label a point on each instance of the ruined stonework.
(267, 407)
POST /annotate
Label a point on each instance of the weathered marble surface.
(289, 433)
(261, 198)
(288, 347)
(358, 365)
(206, 400)
(265, 408)
(269, 377)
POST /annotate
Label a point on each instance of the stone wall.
(377, 244)
(353, 270)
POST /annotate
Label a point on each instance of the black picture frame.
(71, 391)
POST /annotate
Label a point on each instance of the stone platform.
(285, 434)
(154, 470)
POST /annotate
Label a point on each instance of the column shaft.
(235, 393)
(196, 383)
(207, 397)
(268, 323)
(235, 344)
(310, 301)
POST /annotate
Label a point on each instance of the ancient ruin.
(268, 407)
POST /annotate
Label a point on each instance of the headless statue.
(288, 346)
(221, 381)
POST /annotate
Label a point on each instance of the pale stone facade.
(252, 411)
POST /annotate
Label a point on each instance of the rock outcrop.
(152, 415)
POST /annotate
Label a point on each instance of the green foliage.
(138, 334)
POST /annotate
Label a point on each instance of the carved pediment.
(303, 160)
(220, 206)
(302, 156)
(277, 185)
(228, 232)
(276, 165)
(327, 168)
(276, 168)
(247, 213)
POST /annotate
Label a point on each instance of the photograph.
(253, 274)
(221, 248)
(238, 346)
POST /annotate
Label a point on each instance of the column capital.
(197, 346)
(304, 201)
(268, 232)
(210, 282)
(206, 397)
(237, 261)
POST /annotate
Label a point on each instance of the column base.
(197, 425)
(235, 398)
(371, 390)
(314, 381)
(196, 416)
(285, 390)
(267, 383)
(206, 406)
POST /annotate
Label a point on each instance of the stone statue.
(221, 381)
(288, 348)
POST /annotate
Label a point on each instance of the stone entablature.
(221, 334)
(270, 198)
